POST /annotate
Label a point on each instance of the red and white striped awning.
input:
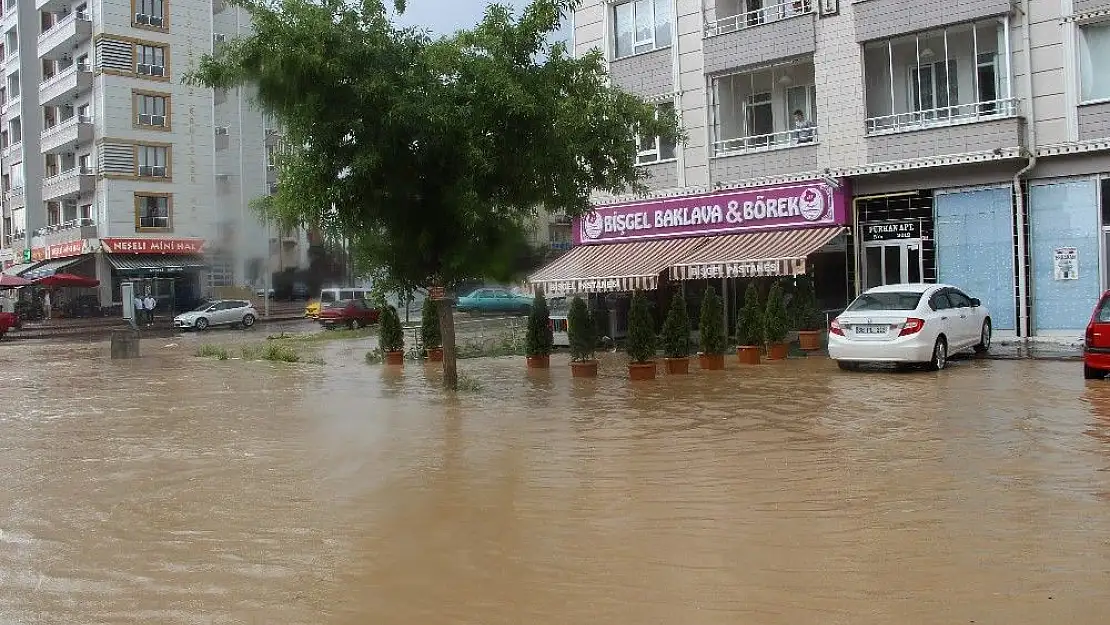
(613, 267)
(775, 253)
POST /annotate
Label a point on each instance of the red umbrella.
(10, 282)
(67, 279)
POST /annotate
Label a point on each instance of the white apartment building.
(114, 169)
(865, 142)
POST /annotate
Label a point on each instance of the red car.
(353, 313)
(1096, 343)
(7, 322)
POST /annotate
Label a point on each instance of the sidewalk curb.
(103, 330)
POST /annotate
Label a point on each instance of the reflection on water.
(175, 490)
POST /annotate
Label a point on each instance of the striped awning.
(776, 253)
(155, 263)
(612, 267)
(50, 267)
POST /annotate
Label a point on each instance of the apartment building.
(865, 142)
(115, 169)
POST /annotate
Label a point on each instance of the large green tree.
(430, 154)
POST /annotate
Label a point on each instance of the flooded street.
(176, 490)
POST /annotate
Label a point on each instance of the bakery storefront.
(691, 242)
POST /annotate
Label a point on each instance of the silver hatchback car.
(225, 312)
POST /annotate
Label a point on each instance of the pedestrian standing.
(140, 314)
(149, 304)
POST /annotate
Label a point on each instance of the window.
(767, 108)
(86, 212)
(653, 149)
(153, 161)
(933, 87)
(53, 213)
(150, 60)
(886, 301)
(152, 110)
(15, 130)
(83, 163)
(641, 26)
(150, 13)
(16, 174)
(1094, 72)
(152, 211)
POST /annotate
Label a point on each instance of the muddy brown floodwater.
(174, 490)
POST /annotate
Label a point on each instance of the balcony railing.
(772, 141)
(758, 17)
(65, 21)
(945, 116)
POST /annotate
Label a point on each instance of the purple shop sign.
(797, 205)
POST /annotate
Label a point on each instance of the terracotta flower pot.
(585, 369)
(748, 354)
(641, 370)
(435, 354)
(809, 340)
(776, 351)
(677, 366)
(395, 358)
(711, 362)
(539, 362)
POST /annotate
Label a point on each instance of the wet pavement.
(178, 490)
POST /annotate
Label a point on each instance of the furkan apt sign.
(799, 205)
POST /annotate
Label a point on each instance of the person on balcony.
(805, 131)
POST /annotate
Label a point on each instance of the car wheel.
(984, 338)
(248, 321)
(201, 324)
(940, 355)
(1090, 373)
(352, 324)
(847, 366)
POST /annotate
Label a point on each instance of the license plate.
(871, 330)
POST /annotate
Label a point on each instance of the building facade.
(971, 141)
(113, 167)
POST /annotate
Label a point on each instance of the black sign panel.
(892, 231)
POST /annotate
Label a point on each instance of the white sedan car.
(909, 323)
(225, 312)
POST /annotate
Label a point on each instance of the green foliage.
(274, 351)
(212, 351)
(804, 312)
(504, 344)
(581, 331)
(429, 324)
(676, 329)
(539, 338)
(641, 330)
(391, 338)
(775, 319)
(749, 323)
(712, 326)
(375, 357)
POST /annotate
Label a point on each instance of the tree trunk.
(446, 314)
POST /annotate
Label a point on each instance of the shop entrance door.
(892, 262)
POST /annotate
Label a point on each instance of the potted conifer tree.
(749, 327)
(391, 337)
(582, 335)
(641, 339)
(539, 339)
(676, 337)
(807, 316)
(711, 329)
(429, 331)
(775, 323)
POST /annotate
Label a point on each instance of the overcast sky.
(444, 17)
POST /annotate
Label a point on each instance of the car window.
(360, 304)
(958, 299)
(893, 300)
(1103, 315)
(940, 301)
(327, 296)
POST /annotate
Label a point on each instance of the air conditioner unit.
(143, 69)
(157, 70)
(145, 120)
(157, 120)
(222, 131)
(219, 38)
(158, 171)
(156, 20)
(142, 18)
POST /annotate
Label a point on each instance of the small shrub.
(212, 351)
(775, 321)
(375, 357)
(806, 314)
(712, 327)
(749, 324)
(500, 346)
(539, 339)
(676, 329)
(468, 384)
(581, 331)
(641, 330)
(429, 324)
(391, 337)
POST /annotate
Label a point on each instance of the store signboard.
(113, 245)
(892, 230)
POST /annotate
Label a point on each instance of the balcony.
(68, 184)
(13, 198)
(757, 111)
(887, 18)
(65, 136)
(14, 151)
(50, 6)
(68, 232)
(949, 77)
(66, 84)
(65, 35)
(751, 34)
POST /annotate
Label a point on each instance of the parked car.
(8, 321)
(353, 313)
(222, 312)
(327, 296)
(1096, 342)
(909, 323)
(495, 300)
